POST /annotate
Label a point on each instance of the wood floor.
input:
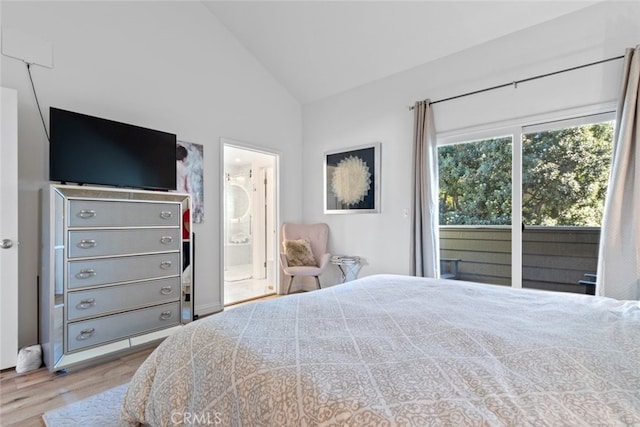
(25, 397)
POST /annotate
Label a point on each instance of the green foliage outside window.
(565, 177)
(475, 183)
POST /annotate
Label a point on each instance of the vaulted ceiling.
(319, 48)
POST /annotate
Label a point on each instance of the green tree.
(565, 177)
(475, 182)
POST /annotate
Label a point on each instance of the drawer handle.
(86, 273)
(86, 303)
(165, 265)
(165, 240)
(165, 290)
(85, 334)
(86, 213)
(166, 214)
(87, 243)
(165, 315)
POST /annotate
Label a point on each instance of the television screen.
(91, 150)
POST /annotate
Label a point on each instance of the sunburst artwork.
(351, 180)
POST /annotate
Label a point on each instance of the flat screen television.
(91, 150)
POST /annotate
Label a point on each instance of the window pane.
(475, 183)
(565, 175)
(564, 183)
(475, 210)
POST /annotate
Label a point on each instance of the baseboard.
(206, 309)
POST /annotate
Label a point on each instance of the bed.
(396, 350)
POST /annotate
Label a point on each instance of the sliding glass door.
(475, 210)
(523, 207)
(565, 170)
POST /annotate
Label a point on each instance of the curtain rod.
(528, 79)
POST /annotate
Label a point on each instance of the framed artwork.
(352, 180)
(189, 158)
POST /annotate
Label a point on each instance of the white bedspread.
(393, 350)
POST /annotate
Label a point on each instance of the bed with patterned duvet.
(391, 350)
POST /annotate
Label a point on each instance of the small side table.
(348, 265)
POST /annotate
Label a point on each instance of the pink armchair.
(317, 235)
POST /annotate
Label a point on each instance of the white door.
(9, 229)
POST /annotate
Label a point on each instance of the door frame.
(228, 142)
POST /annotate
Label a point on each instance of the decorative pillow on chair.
(299, 253)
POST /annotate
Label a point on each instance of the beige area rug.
(101, 410)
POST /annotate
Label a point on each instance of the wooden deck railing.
(553, 258)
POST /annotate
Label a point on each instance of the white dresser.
(111, 271)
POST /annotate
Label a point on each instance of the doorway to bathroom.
(249, 223)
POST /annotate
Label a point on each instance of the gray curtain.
(619, 256)
(425, 248)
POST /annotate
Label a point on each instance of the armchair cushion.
(298, 253)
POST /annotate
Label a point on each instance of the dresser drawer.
(100, 301)
(100, 330)
(90, 243)
(122, 269)
(94, 213)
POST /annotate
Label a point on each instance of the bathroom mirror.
(239, 202)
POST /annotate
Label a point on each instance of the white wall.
(378, 112)
(165, 65)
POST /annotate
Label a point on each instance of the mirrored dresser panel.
(112, 271)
